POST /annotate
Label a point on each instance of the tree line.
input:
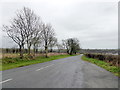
(27, 30)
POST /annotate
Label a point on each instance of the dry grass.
(9, 55)
(54, 54)
(12, 55)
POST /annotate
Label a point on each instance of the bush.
(112, 59)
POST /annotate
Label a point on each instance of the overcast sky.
(94, 23)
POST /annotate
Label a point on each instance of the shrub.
(112, 59)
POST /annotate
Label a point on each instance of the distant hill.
(105, 51)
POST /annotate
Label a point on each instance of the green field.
(10, 63)
(107, 66)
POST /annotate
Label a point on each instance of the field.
(13, 61)
(14, 55)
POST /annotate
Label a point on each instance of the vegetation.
(29, 32)
(47, 37)
(112, 59)
(103, 64)
(9, 63)
(72, 45)
(103, 51)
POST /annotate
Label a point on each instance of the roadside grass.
(114, 69)
(16, 62)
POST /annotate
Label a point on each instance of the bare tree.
(65, 45)
(23, 29)
(16, 32)
(36, 40)
(53, 42)
(30, 22)
(47, 33)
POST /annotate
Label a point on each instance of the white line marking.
(5, 81)
(44, 67)
(39, 69)
(49, 65)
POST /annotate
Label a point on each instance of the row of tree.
(27, 30)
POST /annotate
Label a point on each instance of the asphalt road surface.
(70, 72)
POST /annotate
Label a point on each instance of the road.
(70, 72)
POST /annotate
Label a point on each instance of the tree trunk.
(34, 49)
(21, 52)
(28, 50)
(46, 51)
(28, 46)
(58, 50)
(71, 51)
(67, 51)
(51, 50)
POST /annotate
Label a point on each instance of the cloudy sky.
(94, 23)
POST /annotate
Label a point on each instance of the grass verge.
(16, 62)
(105, 65)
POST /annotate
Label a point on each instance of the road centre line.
(5, 81)
(36, 70)
(44, 67)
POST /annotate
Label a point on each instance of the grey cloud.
(94, 24)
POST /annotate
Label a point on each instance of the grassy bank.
(105, 65)
(16, 62)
